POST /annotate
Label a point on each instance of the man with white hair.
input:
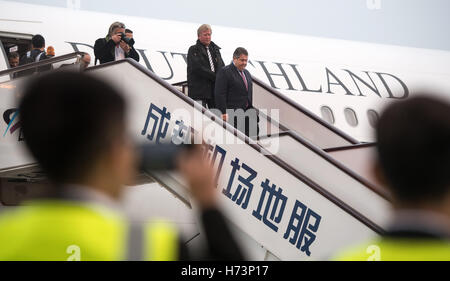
(203, 62)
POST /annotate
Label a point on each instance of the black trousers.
(250, 122)
(207, 103)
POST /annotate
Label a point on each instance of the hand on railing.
(225, 117)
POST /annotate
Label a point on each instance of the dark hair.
(128, 31)
(239, 51)
(13, 55)
(69, 120)
(38, 41)
(414, 148)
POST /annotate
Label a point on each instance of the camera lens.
(125, 38)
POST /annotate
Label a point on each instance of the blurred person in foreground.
(414, 163)
(75, 127)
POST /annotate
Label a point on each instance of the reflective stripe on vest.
(156, 241)
(69, 230)
(392, 249)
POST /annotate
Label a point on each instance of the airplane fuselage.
(347, 82)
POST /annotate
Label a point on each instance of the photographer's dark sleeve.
(221, 243)
(133, 54)
(102, 49)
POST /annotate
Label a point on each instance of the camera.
(125, 39)
(157, 157)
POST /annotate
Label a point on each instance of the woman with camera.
(115, 46)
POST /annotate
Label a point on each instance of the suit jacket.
(230, 91)
(200, 77)
(105, 51)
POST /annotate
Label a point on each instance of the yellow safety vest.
(399, 249)
(68, 230)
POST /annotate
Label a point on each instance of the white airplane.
(346, 83)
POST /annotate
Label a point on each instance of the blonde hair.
(203, 28)
(113, 26)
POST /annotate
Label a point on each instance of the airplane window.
(350, 116)
(327, 114)
(373, 117)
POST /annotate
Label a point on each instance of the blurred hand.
(199, 175)
(225, 117)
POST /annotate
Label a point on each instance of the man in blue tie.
(234, 94)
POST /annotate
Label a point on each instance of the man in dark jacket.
(234, 94)
(37, 53)
(113, 47)
(203, 62)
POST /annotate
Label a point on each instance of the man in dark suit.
(234, 94)
(203, 62)
(114, 47)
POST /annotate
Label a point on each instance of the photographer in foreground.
(87, 172)
(115, 46)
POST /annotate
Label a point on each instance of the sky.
(412, 23)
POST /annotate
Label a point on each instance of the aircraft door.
(20, 43)
(3, 62)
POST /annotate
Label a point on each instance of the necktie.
(210, 59)
(246, 86)
(243, 78)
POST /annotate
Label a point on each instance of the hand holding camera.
(126, 39)
(190, 161)
(126, 48)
